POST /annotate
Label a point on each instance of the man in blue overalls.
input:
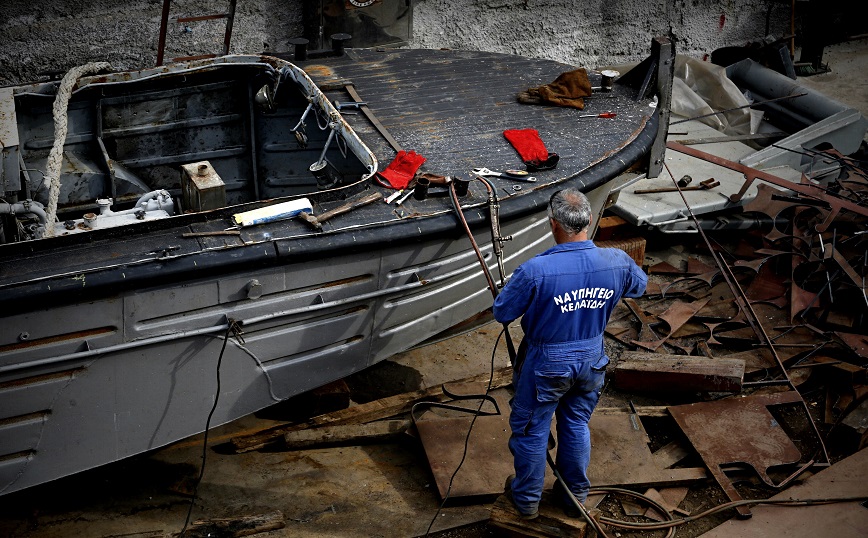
(565, 296)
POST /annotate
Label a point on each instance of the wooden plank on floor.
(367, 412)
(357, 434)
(551, 523)
(654, 372)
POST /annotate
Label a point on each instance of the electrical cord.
(456, 205)
(672, 523)
(231, 328)
(476, 415)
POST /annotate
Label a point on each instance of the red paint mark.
(705, 57)
(722, 21)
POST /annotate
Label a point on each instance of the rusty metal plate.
(847, 478)
(857, 342)
(738, 430)
(488, 460)
(675, 316)
(614, 438)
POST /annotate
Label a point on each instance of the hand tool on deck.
(600, 115)
(517, 175)
(316, 221)
(366, 110)
(407, 194)
(709, 183)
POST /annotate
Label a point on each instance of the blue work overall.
(564, 297)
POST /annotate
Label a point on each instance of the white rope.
(55, 157)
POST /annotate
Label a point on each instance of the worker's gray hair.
(571, 209)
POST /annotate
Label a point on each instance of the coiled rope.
(55, 157)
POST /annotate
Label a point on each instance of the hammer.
(316, 221)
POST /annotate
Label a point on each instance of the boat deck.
(453, 106)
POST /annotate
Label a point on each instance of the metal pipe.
(27, 206)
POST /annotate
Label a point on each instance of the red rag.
(528, 144)
(402, 168)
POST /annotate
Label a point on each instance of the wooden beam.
(653, 372)
(356, 434)
(235, 527)
(376, 410)
(551, 523)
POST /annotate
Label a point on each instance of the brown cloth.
(567, 90)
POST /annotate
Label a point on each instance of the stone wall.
(50, 35)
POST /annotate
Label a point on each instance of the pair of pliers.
(516, 175)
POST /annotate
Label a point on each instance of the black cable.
(467, 438)
(456, 205)
(229, 329)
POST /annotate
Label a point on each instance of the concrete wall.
(594, 32)
(44, 35)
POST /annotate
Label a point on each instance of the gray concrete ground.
(376, 490)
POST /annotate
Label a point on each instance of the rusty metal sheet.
(738, 430)
(708, 278)
(646, 332)
(697, 267)
(847, 478)
(614, 438)
(488, 461)
(675, 316)
(664, 268)
(857, 342)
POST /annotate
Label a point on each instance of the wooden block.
(236, 527)
(551, 523)
(355, 434)
(679, 373)
(634, 247)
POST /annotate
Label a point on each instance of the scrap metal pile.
(765, 330)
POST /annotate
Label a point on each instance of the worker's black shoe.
(561, 498)
(507, 491)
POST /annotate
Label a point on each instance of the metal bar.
(228, 35)
(758, 103)
(664, 50)
(752, 174)
(254, 165)
(732, 138)
(164, 21)
(354, 95)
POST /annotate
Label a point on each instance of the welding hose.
(456, 205)
(672, 523)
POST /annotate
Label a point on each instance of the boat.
(153, 290)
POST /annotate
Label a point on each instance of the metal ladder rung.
(161, 47)
(203, 17)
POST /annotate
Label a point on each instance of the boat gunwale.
(107, 280)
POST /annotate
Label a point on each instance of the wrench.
(517, 175)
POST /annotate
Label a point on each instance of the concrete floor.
(375, 490)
